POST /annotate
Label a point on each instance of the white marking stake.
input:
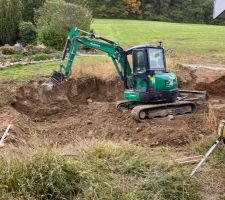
(6, 133)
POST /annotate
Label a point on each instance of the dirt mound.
(85, 109)
(214, 89)
(197, 77)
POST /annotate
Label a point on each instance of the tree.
(10, 17)
(27, 32)
(133, 7)
(29, 7)
(55, 18)
(194, 11)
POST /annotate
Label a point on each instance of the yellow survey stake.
(221, 129)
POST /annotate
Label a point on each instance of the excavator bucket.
(56, 79)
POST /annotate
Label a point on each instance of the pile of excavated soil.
(85, 109)
(206, 78)
(215, 88)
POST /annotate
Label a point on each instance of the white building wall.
(219, 9)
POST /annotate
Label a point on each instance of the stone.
(19, 48)
(170, 117)
(89, 100)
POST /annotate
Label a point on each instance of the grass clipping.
(100, 171)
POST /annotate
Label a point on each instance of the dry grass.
(210, 119)
(103, 70)
(107, 70)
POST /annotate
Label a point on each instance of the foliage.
(29, 7)
(41, 56)
(7, 50)
(103, 170)
(10, 15)
(50, 37)
(55, 19)
(194, 11)
(43, 176)
(16, 57)
(27, 33)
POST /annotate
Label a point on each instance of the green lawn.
(186, 39)
(26, 72)
(193, 43)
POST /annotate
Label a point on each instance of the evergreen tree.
(10, 17)
(29, 7)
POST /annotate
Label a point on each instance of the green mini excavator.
(149, 90)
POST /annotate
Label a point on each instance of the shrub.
(7, 50)
(55, 19)
(16, 58)
(31, 49)
(43, 176)
(27, 33)
(42, 56)
(51, 37)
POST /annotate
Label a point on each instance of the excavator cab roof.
(144, 46)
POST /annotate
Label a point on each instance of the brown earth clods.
(85, 109)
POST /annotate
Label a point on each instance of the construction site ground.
(84, 108)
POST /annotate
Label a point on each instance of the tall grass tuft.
(45, 175)
(101, 170)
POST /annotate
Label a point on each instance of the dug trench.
(83, 109)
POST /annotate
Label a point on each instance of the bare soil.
(83, 109)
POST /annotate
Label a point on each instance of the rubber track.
(136, 111)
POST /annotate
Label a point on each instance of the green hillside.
(191, 39)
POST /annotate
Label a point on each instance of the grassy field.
(193, 43)
(26, 72)
(188, 40)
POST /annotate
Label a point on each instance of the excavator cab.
(151, 81)
(149, 60)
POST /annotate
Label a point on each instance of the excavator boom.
(117, 54)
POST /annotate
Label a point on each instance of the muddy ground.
(84, 109)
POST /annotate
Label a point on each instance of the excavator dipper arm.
(117, 54)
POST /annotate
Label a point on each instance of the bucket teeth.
(56, 79)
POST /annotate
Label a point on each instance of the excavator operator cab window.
(156, 60)
(139, 61)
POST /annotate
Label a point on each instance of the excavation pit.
(84, 109)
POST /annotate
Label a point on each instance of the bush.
(27, 33)
(16, 58)
(43, 176)
(42, 56)
(55, 19)
(51, 37)
(7, 50)
(101, 170)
